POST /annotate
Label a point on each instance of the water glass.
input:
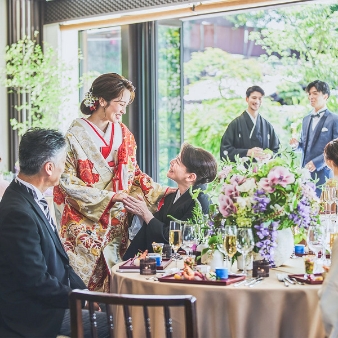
(245, 243)
(189, 237)
(315, 239)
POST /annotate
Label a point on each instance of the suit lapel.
(319, 127)
(23, 191)
(181, 200)
(168, 206)
(306, 130)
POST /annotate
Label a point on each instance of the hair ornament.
(91, 101)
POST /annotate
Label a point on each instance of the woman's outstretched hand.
(119, 197)
(138, 206)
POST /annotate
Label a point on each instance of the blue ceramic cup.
(157, 257)
(221, 273)
(299, 249)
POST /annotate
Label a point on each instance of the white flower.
(244, 202)
(247, 186)
(245, 159)
(279, 209)
(225, 172)
(305, 174)
(241, 167)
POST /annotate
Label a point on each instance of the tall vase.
(285, 246)
(215, 260)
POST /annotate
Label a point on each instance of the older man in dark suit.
(36, 277)
(318, 129)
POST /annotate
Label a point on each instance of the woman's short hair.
(109, 86)
(200, 162)
(331, 151)
(37, 147)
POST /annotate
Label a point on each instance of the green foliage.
(296, 56)
(302, 38)
(206, 122)
(169, 80)
(41, 80)
(227, 70)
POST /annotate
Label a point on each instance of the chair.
(77, 297)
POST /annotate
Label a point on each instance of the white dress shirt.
(316, 119)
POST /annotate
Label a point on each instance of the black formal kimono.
(157, 230)
(239, 137)
(35, 275)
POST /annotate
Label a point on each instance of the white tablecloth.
(267, 310)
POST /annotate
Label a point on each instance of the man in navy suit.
(318, 128)
(35, 275)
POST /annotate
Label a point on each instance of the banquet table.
(267, 310)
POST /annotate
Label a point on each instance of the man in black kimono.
(249, 134)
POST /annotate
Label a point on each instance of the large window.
(101, 53)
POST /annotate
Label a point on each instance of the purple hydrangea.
(302, 215)
(261, 201)
(267, 242)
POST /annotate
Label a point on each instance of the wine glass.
(189, 237)
(329, 196)
(315, 239)
(220, 246)
(245, 243)
(230, 242)
(175, 237)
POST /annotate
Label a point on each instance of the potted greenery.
(39, 80)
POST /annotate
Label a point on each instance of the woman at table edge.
(192, 167)
(101, 169)
(328, 294)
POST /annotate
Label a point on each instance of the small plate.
(230, 280)
(300, 278)
(130, 265)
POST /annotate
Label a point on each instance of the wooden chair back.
(77, 297)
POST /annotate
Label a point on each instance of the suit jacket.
(236, 140)
(325, 131)
(35, 274)
(157, 230)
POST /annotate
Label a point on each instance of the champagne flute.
(175, 237)
(230, 242)
(189, 237)
(245, 243)
(329, 193)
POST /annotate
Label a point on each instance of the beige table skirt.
(268, 310)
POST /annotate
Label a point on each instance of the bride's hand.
(119, 197)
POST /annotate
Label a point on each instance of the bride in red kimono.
(101, 170)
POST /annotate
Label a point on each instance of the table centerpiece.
(265, 196)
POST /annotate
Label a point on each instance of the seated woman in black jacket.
(192, 167)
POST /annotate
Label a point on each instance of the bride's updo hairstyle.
(331, 152)
(109, 86)
(199, 162)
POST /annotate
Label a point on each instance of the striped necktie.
(41, 202)
(45, 206)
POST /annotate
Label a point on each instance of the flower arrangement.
(266, 196)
